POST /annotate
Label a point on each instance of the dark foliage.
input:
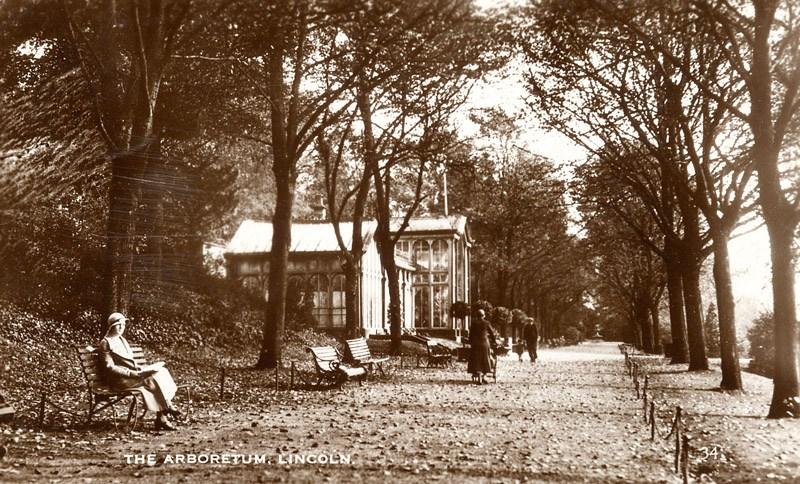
(572, 335)
(762, 345)
(711, 327)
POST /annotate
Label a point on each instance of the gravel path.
(568, 418)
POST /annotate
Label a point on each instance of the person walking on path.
(531, 335)
(481, 341)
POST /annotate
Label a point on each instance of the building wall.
(441, 277)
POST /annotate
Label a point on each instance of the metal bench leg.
(91, 409)
(132, 411)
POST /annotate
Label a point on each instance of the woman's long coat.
(120, 369)
(481, 342)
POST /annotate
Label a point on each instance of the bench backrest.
(92, 364)
(437, 349)
(323, 355)
(358, 349)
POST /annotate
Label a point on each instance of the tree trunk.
(785, 376)
(691, 259)
(677, 320)
(656, 321)
(779, 214)
(642, 315)
(502, 287)
(731, 374)
(383, 236)
(353, 323)
(275, 313)
(698, 361)
(386, 248)
(352, 326)
(119, 263)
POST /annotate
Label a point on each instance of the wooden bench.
(360, 355)
(438, 355)
(330, 368)
(6, 411)
(100, 395)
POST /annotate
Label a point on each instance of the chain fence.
(676, 429)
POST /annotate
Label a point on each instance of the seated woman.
(122, 373)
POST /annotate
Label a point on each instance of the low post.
(646, 378)
(652, 420)
(685, 459)
(222, 383)
(644, 408)
(41, 410)
(291, 379)
(677, 439)
(636, 386)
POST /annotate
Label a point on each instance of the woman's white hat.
(116, 318)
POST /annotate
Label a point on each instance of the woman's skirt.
(158, 390)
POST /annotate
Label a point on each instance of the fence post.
(685, 459)
(222, 383)
(646, 378)
(644, 408)
(677, 439)
(41, 410)
(652, 419)
(291, 379)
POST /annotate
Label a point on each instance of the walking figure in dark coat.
(531, 335)
(482, 342)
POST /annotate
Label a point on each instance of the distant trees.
(523, 254)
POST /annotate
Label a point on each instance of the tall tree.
(413, 88)
(760, 43)
(124, 51)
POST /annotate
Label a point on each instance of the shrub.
(711, 328)
(500, 316)
(572, 336)
(762, 345)
(459, 310)
(518, 317)
(485, 305)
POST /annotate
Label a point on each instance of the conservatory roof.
(255, 237)
(451, 224)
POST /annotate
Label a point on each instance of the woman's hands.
(142, 374)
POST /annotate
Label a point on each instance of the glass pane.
(422, 254)
(441, 256)
(337, 293)
(421, 306)
(441, 306)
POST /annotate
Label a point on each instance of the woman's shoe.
(162, 423)
(174, 412)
